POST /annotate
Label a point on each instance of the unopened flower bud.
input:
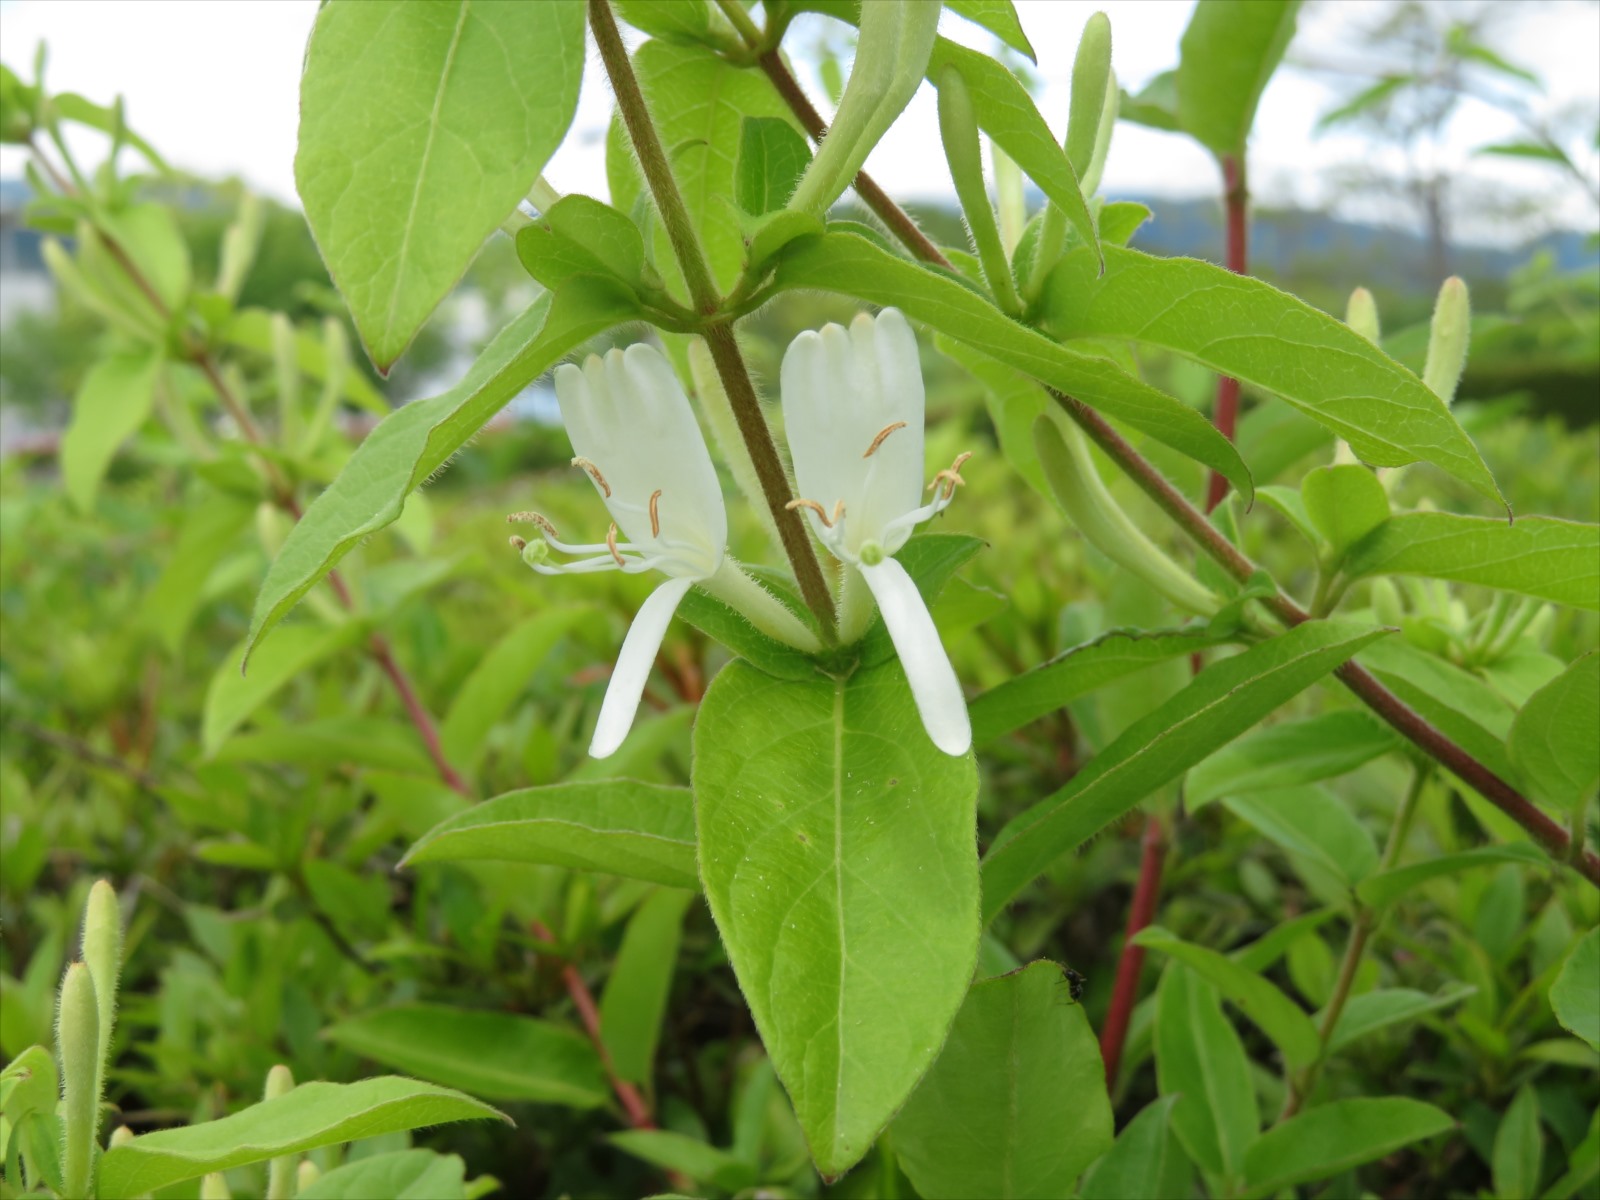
(78, 1044)
(958, 125)
(102, 954)
(1361, 314)
(1448, 338)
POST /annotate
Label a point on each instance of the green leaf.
(402, 1174)
(688, 1156)
(291, 651)
(1368, 99)
(1575, 995)
(773, 154)
(1313, 823)
(497, 1054)
(1541, 151)
(113, 401)
(1156, 106)
(1537, 556)
(1553, 743)
(837, 852)
(1371, 1011)
(1289, 754)
(853, 266)
(1239, 326)
(1200, 1060)
(1277, 941)
(675, 20)
(413, 443)
(421, 128)
(1145, 1161)
(385, 743)
(720, 620)
(637, 830)
(212, 526)
(1223, 701)
(72, 107)
(999, 17)
(1345, 502)
(1583, 1166)
(1016, 1104)
(1228, 53)
(1051, 685)
(1336, 1137)
(500, 677)
(148, 234)
(1388, 886)
(635, 999)
(581, 236)
(1277, 1016)
(312, 1115)
(1466, 709)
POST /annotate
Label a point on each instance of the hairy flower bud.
(78, 1044)
(958, 125)
(1448, 338)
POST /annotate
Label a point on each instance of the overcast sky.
(214, 87)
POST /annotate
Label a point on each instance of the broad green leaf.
(212, 526)
(1050, 686)
(1537, 556)
(1016, 1104)
(421, 128)
(1313, 823)
(1200, 1060)
(499, 678)
(113, 401)
(635, 999)
(1289, 754)
(1145, 1161)
(1277, 1016)
(1575, 995)
(1345, 502)
(1227, 55)
(688, 1156)
(638, 830)
(1583, 1167)
(675, 20)
(1372, 1011)
(717, 619)
(1156, 106)
(1466, 709)
(414, 442)
(999, 17)
(1223, 701)
(1387, 886)
(773, 154)
(497, 1054)
(312, 1115)
(401, 1174)
(73, 107)
(1553, 741)
(581, 236)
(837, 853)
(384, 743)
(29, 1084)
(853, 266)
(1277, 941)
(1335, 1137)
(148, 234)
(1242, 327)
(291, 651)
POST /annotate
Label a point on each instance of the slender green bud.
(1361, 314)
(1386, 605)
(281, 1171)
(214, 1187)
(286, 372)
(78, 1044)
(1090, 71)
(307, 1174)
(959, 127)
(336, 353)
(1065, 458)
(1009, 201)
(102, 954)
(240, 242)
(1089, 181)
(891, 59)
(1448, 338)
(120, 1136)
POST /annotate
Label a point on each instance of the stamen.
(950, 477)
(655, 515)
(518, 544)
(541, 521)
(822, 513)
(594, 472)
(611, 544)
(838, 511)
(882, 434)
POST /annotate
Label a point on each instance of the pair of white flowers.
(853, 407)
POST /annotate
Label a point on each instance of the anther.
(822, 513)
(611, 544)
(655, 515)
(518, 544)
(950, 477)
(838, 511)
(594, 473)
(882, 434)
(538, 519)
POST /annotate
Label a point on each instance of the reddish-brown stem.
(1236, 202)
(1131, 963)
(633, 1104)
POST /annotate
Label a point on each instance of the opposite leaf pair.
(853, 404)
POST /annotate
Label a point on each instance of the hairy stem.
(1236, 201)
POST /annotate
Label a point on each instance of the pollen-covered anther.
(950, 477)
(822, 513)
(539, 519)
(518, 544)
(594, 473)
(611, 545)
(655, 513)
(880, 438)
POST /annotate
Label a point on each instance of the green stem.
(740, 20)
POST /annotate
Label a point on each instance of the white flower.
(853, 408)
(636, 438)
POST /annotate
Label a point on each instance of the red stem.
(1131, 963)
(1236, 200)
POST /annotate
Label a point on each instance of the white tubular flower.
(636, 437)
(853, 408)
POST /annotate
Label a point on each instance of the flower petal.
(934, 685)
(633, 666)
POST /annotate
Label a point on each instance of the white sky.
(214, 87)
